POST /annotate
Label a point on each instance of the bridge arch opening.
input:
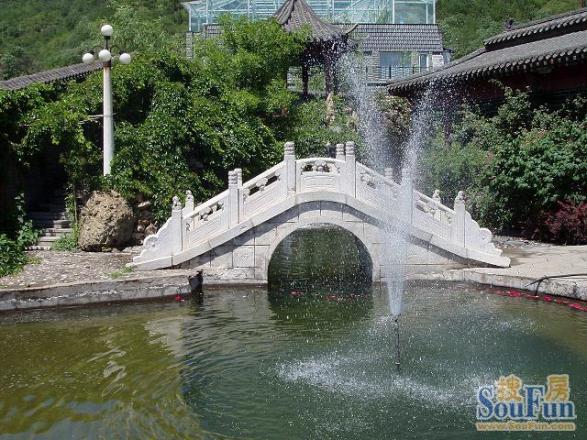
(320, 258)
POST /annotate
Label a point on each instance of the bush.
(567, 224)
(12, 256)
(514, 166)
(67, 242)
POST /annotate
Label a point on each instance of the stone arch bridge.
(233, 235)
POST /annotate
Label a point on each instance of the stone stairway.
(51, 218)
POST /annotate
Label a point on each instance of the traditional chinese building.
(397, 37)
(549, 56)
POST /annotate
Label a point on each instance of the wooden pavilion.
(327, 41)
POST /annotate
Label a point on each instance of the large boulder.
(106, 222)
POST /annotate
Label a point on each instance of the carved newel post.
(407, 196)
(437, 213)
(289, 157)
(176, 226)
(339, 151)
(351, 169)
(189, 203)
(233, 209)
(188, 208)
(458, 223)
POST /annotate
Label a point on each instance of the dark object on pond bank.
(196, 283)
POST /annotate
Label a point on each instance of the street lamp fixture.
(105, 55)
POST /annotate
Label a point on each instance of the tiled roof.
(60, 74)
(494, 60)
(417, 37)
(536, 30)
(294, 15)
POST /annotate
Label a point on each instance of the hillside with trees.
(40, 34)
(36, 35)
(465, 24)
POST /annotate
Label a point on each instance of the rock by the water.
(106, 222)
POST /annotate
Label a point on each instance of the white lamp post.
(105, 56)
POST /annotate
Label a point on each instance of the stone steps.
(52, 224)
(51, 219)
(56, 232)
(47, 215)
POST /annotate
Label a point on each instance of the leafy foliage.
(466, 24)
(67, 242)
(39, 34)
(180, 124)
(12, 256)
(566, 224)
(515, 165)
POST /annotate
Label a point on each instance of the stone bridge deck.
(234, 234)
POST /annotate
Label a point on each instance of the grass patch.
(118, 273)
(67, 242)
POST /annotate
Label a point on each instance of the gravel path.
(53, 267)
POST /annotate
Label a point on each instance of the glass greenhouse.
(203, 12)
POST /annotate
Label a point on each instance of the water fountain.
(395, 234)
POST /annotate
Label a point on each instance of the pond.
(308, 365)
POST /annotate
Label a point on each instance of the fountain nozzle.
(397, 345)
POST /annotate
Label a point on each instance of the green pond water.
(244, 364)
(312, 360)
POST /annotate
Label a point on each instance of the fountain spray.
(372, 128)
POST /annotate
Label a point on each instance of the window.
(423, 58)
(395, 64)
(414, 11)
(396, 59)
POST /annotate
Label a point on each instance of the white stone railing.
(191, 226)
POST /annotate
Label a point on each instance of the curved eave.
(555, 58)
(557, 23)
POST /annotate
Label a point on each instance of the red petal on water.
(514, 293)
(547, 298)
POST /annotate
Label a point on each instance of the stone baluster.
(340, 151)
(233, 209)
(176, 226)
(457, 232)
(289, 157)
(407, 196)
(188, 208)
(350, 178)
(241, 198)
(388, 173)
